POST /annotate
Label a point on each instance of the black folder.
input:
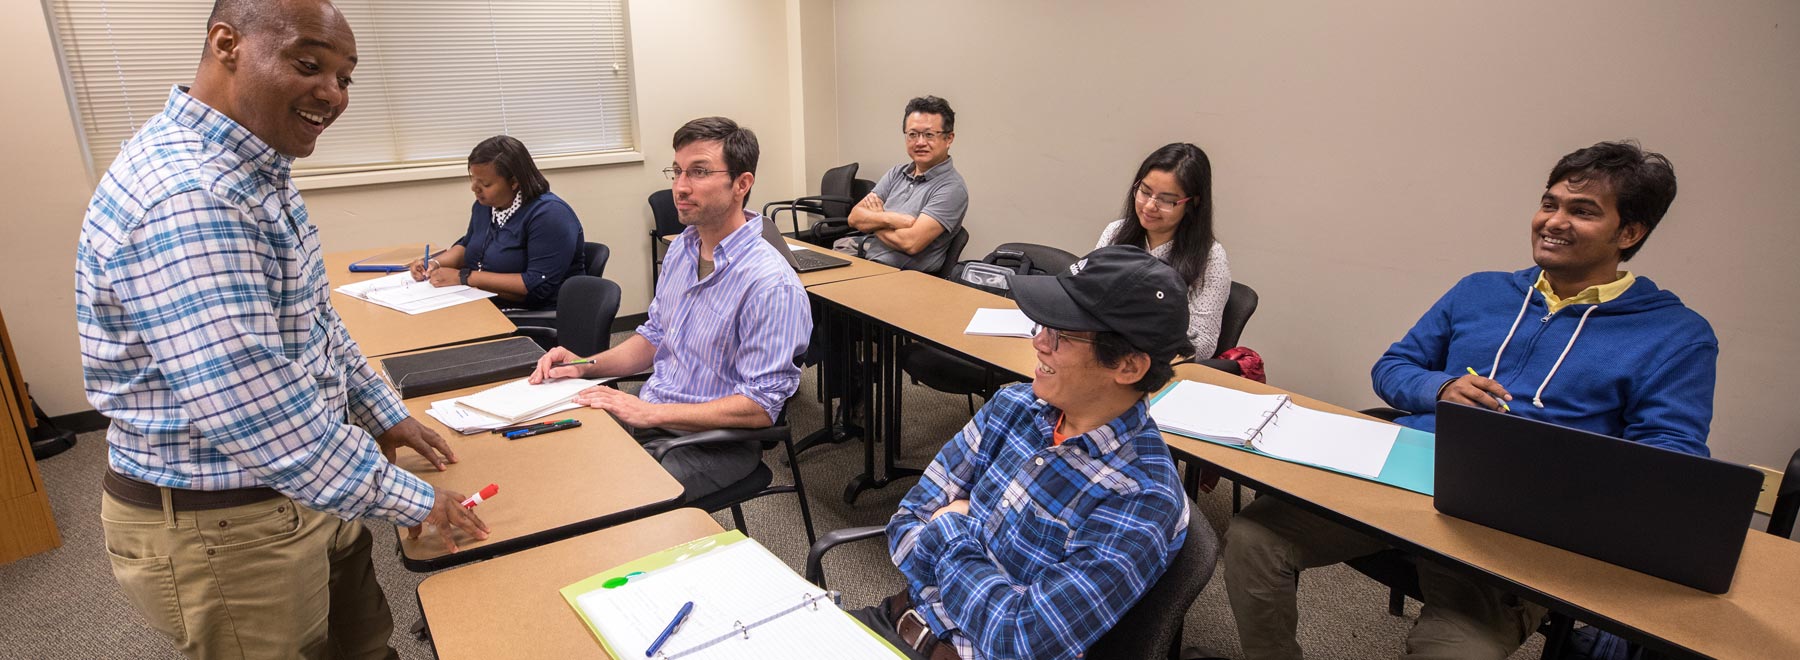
(455, 368)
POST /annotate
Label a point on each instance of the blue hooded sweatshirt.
(1640, 367)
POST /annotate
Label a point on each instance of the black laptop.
(1675, 516)
(803, 260)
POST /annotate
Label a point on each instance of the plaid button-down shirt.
(1059, 540)
(207, 332)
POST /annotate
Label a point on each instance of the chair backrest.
(1150, 628)
(597, 254)
(859, 189)
(1787, 500)
(838, 181)
(953, 253)
(1238, 309)
(662, 207)
(585, 308)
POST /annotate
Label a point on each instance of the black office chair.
(1150, 630)
(939, 370)
(757, 483)
(596, 254)
(585, 309)
(837, 195)
(1787, 500)
(953, 252)
(668, 223)
(1239, 307)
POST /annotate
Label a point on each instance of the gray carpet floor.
(65, 604)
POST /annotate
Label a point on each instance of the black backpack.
(990, 272)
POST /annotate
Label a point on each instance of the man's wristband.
(462, 276)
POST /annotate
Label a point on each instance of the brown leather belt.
(138, 493)
(913, 630)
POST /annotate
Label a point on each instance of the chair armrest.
(773, 434)
(815, 571)
(545, 337)
(1227, 366)
(1385, 414)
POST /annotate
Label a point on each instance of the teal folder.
(1410, 464)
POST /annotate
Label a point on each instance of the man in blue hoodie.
(1572, 341)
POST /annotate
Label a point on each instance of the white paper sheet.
(989, 322)
(1339, 442)
(1210, 411)
(400, 292)
(519, 399)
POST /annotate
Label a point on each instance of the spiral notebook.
(747, 605)
(1273, 424)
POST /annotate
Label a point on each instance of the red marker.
(481, 496)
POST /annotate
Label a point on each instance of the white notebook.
(747, 605)
(400, 292)
(520, 400)
(1275, 425)
(989, 322)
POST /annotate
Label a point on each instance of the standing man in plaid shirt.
(1058, 505)
(248, 432)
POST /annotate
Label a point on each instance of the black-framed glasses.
(1162, 201)
(928, 136)
(692, 173)
(1056, 337)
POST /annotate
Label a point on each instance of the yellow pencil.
(1503, 405)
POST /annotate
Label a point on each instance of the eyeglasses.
(1162, 202)
(1056, 337)
(692, 173)
(928, 136)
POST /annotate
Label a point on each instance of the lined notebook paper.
(1274, 425)
(400, 292)
(520, 400)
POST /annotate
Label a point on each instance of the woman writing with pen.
(522, 241)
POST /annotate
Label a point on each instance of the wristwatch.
(462, 276)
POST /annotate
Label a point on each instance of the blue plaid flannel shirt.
(207, 332)
(1059, 540)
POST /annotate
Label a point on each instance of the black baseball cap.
(1117, 288)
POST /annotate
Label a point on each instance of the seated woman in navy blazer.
(523, 241)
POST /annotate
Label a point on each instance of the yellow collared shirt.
(1593, 295)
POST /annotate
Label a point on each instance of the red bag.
(1248, 361)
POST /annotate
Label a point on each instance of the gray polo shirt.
(938, 193)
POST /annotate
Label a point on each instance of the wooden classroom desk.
(382, 331)
(858, 268)
(552, 486)
(935, 310)
(1758, 618)
(509, 607)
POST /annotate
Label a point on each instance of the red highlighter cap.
(489, 491)
(480, 497)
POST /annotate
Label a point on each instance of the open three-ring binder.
(1273, 424)
(747, 604)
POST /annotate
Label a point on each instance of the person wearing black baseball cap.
(1058, 505)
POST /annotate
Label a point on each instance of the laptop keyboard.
(807, 259)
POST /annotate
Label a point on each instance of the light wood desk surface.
(509, 607)
(382, 331)
(935, 310)
(1758, 618)
(858, 268)
(551, 485)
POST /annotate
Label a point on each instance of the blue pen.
(427, 262)
(664, 637)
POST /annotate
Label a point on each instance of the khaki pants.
(1271, 541)
(264, 580)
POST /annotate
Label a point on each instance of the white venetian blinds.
(435, 76)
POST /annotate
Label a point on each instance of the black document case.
(458, 367)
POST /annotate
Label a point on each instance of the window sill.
(452, 170)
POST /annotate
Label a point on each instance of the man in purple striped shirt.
(728, 321)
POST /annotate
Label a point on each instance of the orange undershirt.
(1056, 435)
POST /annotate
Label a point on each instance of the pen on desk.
(673, 625)
(1503, 405)
(526, 433)
(523, 427)
(572, 363)
(480, 497)
(427, 262)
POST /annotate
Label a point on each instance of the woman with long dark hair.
(523, 240)
(1169, 213)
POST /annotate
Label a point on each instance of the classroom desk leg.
(893, 379)
(835, 369)
(868, 353)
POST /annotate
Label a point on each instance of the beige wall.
(1366, 155)
(692, 58)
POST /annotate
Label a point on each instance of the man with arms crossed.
(1058, 505)
(728, 320)
(908, 219)
(1573, 341)
(248, 431)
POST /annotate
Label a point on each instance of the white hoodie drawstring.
(1537, 399)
